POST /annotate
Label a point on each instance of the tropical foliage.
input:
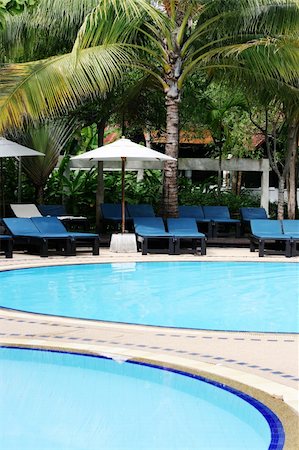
(78, 191)
(250, 43)
(14, 7)
(48, 138)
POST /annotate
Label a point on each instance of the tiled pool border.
(276, 428)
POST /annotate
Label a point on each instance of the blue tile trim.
(275, 425)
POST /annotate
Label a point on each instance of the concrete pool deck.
(264, 365)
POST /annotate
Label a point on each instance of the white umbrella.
(124, 150)
(9, 149)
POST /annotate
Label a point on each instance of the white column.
(140, 174)
(265, 186)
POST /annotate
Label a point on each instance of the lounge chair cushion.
(291, 228)
(111, 211)
(267, 228)
(250, 213)
(218, 214)
(192, 211)
(54, 225)
(52, 210)
(25, 210)
(141, 210)
(25, 227)
(21, 226)
(150, 226)
(184, 227)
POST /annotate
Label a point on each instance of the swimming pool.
(205, 295)
(55, 401)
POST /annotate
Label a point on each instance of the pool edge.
(281, 407)
(277, 430)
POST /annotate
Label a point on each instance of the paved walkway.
(262, 364)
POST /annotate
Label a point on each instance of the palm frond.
(102, 27)
(116, 21)
(49, 138)
(272, 17)
(274, 58)
(52, 19)
(54, 86)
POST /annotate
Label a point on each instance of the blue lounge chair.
(220, 215)
(54, 225)
(291, 229)
(111, 214)
(24, 230)
(152, 228)
(250, 213)
(71, 222)
(268, 231)
(6, 245)
(141, 210)
(52, 210)
(196, 212)
(186, 228)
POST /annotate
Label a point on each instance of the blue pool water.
(224, 296)
(55, 401)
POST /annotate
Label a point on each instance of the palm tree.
(217, 109)
(279, 100)
(190, 35)
(292, 146)
(168, 41)
(49, 138)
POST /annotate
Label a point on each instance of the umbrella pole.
(123, 214)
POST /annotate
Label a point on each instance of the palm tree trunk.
(147, 137)
(280, 203)
(170, 181)
(39, 195)
(239, 183)
(234, 181)
(293, 135)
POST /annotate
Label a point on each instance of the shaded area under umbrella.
(123, 150)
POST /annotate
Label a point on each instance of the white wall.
(273, 193)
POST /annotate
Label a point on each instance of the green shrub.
(146, 191)
(206, 194)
